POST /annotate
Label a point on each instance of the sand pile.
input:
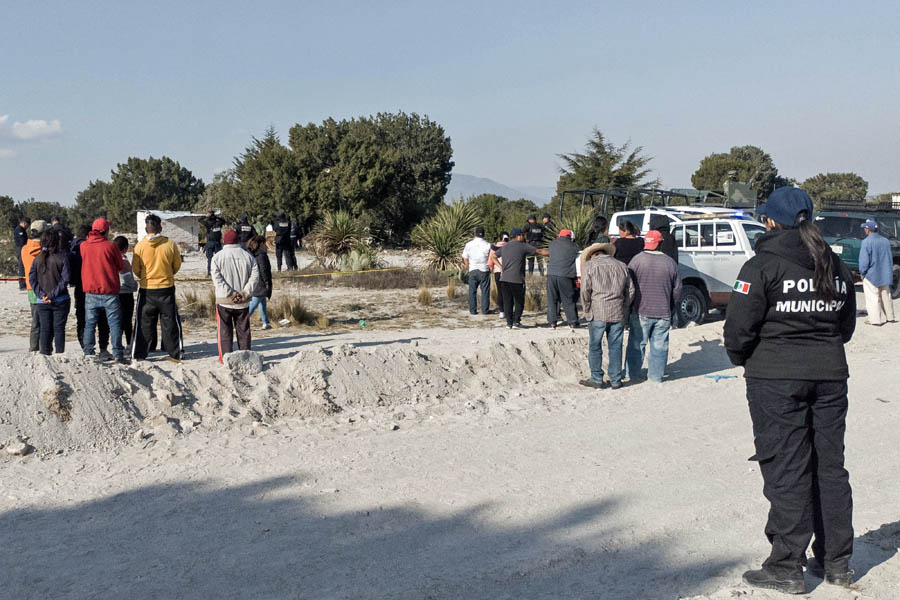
(62, 403)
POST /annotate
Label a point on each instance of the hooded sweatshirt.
(155, 262)
(234, 271)
(29, 251)
(101, 261)
(776, 326)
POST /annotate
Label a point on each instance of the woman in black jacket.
(630, 242)
(792, 310)
(263, 292)
(49, 278)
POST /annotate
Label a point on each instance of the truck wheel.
(895, 284)
(692, 306)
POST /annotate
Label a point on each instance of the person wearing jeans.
(475, 257)
(607, 291)
(107, 304)
(263, 292)
(101, 262)
(49, 277)
(658, 287)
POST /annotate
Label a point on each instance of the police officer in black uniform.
(534, 236)
(245, 231)
(283, 245)
(20, 235)
(65, 234)
(213, 225)
(792, 310)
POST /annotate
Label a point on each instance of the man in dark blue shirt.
(20, 236)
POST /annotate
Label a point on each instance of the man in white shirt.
(475, 257)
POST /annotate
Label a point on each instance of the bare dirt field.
(427, 455)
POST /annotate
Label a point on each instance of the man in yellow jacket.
(156, 261)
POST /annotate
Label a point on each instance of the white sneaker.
(502, 316)
(265, 326)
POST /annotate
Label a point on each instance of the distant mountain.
(464, 186)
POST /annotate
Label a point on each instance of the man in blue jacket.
(876, 266)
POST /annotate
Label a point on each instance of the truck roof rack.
(847, 205)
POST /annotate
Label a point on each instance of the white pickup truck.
(711, 252)
(674, 214)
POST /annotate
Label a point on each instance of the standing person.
(876, 266)
(244, 230)
(496, 265)
(658, 287)
(295, 234)
(599, 231)
(534, 237)
(101, 261)
(629, 243)
(235, 276)
(156, 261)
(792, 310)
(28, 253)
(475, 257)
(65, 234)
(127, 287)
(561, 276)
(20, 236)
(81, 234)
(668, 245)
(512, 279)
(263, 291)
(283, 244)
(49, 278)
(213, 225)
(607, 291)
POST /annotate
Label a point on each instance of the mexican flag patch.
(741, 287)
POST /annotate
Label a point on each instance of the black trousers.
(157, 306)
(499, 292)
(21, 271)
(290, 259)
(540, 264)
(102, 324)
(561, 290)
(231, 322)
(53, 319)
(513, 301)
(210, 249)
(126, 302)
(798, 429)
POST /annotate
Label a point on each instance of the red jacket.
(101, 262)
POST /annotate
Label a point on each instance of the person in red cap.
(235, 275)
(101, 261)
(658, 288)
(561, 276)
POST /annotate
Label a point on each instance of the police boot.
(840, 574)
(789, 583)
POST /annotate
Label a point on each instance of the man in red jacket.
(101, 261)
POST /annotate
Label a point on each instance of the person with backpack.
(792, 310)
(49, 278)
(263, 291)
(235, 276)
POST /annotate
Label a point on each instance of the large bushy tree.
(152, 183)
(745, 163)
(603, 165)
(265, 180)
(836, 187)
(90, 203)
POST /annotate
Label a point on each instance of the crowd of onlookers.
(631, 284)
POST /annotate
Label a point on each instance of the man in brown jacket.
(607, 292)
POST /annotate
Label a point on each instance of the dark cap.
(530, 217)
(545, 216)
(784, 204)
(515, 232)
(479, 231)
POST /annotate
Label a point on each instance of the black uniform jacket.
(776, 326)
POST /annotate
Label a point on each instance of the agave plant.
(444, 235)
(579, 221)
(334, 237)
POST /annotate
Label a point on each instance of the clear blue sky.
(816, 84)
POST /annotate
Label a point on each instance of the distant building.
(181, 227)
(895, 200)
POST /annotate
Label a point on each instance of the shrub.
(295, 311)
(424, 298)
(361, 258)
(323, 322)
(534, 299)
(579, 221)
(444, 235)
(197, 304)
(9, 262)
(335, 236)
(451, 288)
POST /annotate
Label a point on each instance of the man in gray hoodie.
(235, 275)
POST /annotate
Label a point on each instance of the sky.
(83, 86)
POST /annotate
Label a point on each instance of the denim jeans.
(655, 332)
(479, 279)
(260, 301)
(108, 304)
(614, 334)
(53, 319)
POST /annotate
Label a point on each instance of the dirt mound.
(61, 403)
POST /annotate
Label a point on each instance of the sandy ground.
(418, 463)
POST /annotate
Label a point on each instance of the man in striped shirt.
(607, 292)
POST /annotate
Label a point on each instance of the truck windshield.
(753, 231)
(841, 227)
(889, 227)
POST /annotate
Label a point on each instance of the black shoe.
(123, 361)
(764, 578)
(840, 575)
(517, 326)
(597, 385)
(615, 386)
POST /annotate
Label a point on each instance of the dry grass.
(295, 311)
(198, 304)
(376, 280)
(535, 299)
(451, 288)
(424, 297)
(495, 298)
(322, 322)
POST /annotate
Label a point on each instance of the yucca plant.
(334, 237)
(579, 221)
(444, 235)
